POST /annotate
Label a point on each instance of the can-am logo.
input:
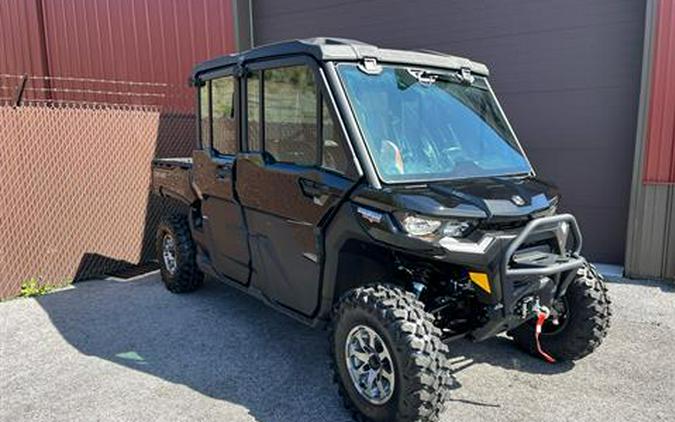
(369, 215)
(518, 200)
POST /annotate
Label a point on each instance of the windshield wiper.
(471, 199)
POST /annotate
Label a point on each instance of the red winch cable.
(541, 318)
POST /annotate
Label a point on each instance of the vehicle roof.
(340, 49)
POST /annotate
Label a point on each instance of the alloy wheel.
(370, 365)
(169, 253)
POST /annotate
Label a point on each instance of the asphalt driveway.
(115, 350)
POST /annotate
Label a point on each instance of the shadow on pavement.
(227, 345)
(501, 352)
(217, 341)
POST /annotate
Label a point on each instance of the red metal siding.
(660, 152)
(20, 37)
(129, 40)
(136, 40)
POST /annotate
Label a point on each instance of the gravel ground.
(115, 350)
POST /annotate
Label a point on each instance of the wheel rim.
(369, 364)
(169, 253)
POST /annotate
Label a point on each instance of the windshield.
(423, 126)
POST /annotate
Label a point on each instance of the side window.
(253, 101)
(290, 115)
(204, 114)
(333, 153)
(222, 112)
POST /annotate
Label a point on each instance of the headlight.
(420, 226)
(430, 229)
(456, 228)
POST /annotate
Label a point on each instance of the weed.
(36, 286)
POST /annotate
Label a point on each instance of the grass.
(36, 286)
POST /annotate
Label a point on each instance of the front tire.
(176, 254)
(585, 324)
(388, 358)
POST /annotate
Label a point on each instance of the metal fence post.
(20, 90)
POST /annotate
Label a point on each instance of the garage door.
(567, 73)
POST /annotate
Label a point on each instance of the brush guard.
(540, 264)
(533, 273)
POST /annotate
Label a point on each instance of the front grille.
(504, 224)
(515, 223)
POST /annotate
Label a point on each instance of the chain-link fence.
(75, 160)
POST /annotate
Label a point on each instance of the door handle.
(313, 189)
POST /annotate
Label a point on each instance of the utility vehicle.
(382, 192)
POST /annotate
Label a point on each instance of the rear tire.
(176, 254)
(587, 320)
(416, 356)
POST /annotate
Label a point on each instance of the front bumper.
(516, 272)
(502, 256)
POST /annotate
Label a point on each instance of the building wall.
(567, 73)
(659, 162)
(125, 40)
(20, 38)
(650, 252)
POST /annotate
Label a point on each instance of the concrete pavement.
(113, 350)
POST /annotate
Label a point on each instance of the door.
(292, 176)
(213, 168)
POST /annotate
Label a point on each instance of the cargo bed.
(171, 178)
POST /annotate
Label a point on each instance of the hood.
(493, 197)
